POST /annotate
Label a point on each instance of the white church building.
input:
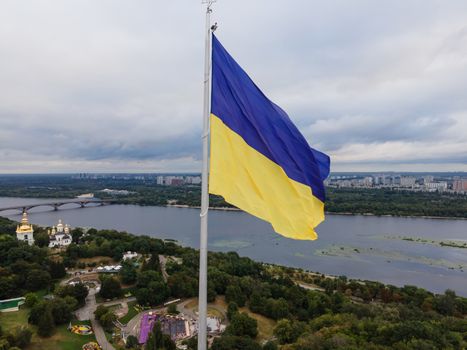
(60, 235)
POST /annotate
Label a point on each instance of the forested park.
(302, 309)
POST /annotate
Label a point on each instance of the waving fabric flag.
(260, 162)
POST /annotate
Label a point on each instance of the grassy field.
(10, 320)
(62, 339)
(97, 260)
(132, 312)
(192, 304)
(216, 309)
(265, 325)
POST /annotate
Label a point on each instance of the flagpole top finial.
(208, 3)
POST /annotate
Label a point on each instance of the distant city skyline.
(116, 86)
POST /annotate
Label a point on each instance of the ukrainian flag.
(260, 162)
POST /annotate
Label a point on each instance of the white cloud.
(117, 84)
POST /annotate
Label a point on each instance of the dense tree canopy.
(339, 313)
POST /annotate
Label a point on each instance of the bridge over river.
(57, 204)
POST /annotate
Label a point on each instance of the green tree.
(107, 320)
(20, 337)
(37, 279)
(105, 317)
(211, 296)
(7, 287)
(270, 345)
(37, 311)
(232, 309)
(56, 269)
(243, 325)
(182, 285)
(131, 342)
(337, 301)
(100, 311)
(76, 234)
(31, 299)
(4, 344)
(61, 311)
(41, 239)
(276, 309)
(235, 294)
(229, 342)
(158, 340)
(154, 294)
(77, 291)
(192, 343)
(144, 296)
(71, 302)
(219, 279)
(46, 325)
(128, 273)
(110, 288)
(147, 277)
(152, 264)
(287, 331)
(445, 304)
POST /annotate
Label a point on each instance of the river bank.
(366, 202)
(326, 212)
(396, 262)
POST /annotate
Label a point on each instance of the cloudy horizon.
(116, 86)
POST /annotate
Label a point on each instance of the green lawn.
(132, 312)
(265, 325)
(10, 320)
(62, 339)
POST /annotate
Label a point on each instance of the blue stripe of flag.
(264, 126)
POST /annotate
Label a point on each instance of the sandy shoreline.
(332, 213)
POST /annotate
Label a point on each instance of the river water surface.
(365, 247)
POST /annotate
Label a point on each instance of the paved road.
(87, 313)
(118, 301)
(100, 335)
(163, 262)
(310, 286)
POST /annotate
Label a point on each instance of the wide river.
(364, 247)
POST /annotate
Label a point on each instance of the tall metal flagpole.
(203, 246)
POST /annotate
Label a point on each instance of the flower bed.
(81, 330)
(91, 346)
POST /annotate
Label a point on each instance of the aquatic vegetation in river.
(360, 253)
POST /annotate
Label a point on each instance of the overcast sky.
(97, 85)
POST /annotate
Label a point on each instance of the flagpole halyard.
(203, 247)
